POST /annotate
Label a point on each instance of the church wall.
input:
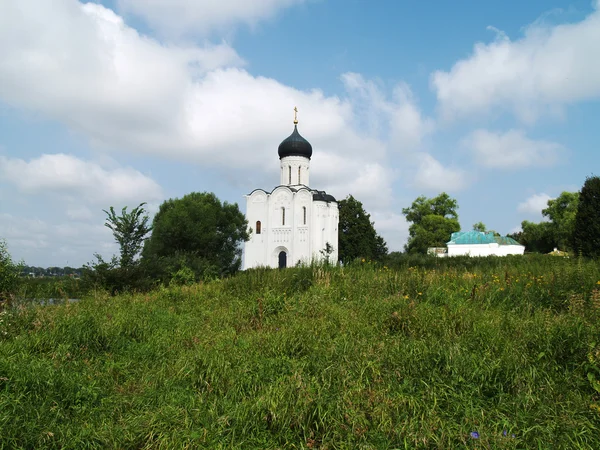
(302, 203)
(257, 208)
(289, 171)
(324, 224)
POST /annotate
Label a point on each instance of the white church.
(293, 223)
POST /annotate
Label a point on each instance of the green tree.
(199, 232)
(562, 211)
(130, 230)
(433, 222)
(357, 235)
(479, 226)
(586, 234)
(9, 274)
(536, 237)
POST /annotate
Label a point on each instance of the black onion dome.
(295, 145)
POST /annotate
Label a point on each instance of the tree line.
(198, 237)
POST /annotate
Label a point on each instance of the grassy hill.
(490, 353)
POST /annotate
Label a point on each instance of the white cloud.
(73, 177)
(176, 17)
(46, 243)
(393, 228)
(79, 213)
(368, 182)
(549, 67)
(398, 119)
(510, 150)
(80, 64)
(431, 175)
(534, 204)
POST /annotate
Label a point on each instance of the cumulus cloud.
(549, 67)
(369, 182)
(47, 243)
(431, 175)
(71, 176)
(398, 118)
(534, 204)
(199, 17)
(392, 227)
(510, 150)
(82, 65)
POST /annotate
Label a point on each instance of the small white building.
(477, 243)
(293, 223)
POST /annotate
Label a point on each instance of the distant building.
(292, 223)
(478, 243)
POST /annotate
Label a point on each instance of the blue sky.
(112, 103)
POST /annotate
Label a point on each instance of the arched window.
(282, 215)
(299, 182)
(258, 227)
(290, 173)
(304, 213)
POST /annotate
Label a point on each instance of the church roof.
(322, 196)
(318, 196)
(295, 145)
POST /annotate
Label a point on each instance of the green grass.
(419, 356)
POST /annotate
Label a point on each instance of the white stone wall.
(301, 240)
(295, 170)
(484, 249)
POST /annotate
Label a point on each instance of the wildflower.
(474, 435)
(597, 282)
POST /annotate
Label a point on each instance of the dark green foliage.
(557, 232)
(561, 212)
(357, 235)
(316, 357)
(536, 237)
(433, 222)
(198, 232)
(586, 236)
(479, 226)
(9, 275)
(129, 230)
(115, 278)
(57, 288)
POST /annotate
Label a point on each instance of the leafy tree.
(198, 232)
(433, 221)
(130, 230)
(562, 211)
(479, 226)
(536, 237)
(586, 234)
(9, 274)
(557, 232)
(357, 235)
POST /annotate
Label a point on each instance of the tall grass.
(488, 353)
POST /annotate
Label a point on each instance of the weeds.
(489, 353)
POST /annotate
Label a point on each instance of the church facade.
(293, 223)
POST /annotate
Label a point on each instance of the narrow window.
(282, 215)
(258, 227)
(304, 212)
(299, 182)
(290, 173)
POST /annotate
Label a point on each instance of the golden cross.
(295, 115)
